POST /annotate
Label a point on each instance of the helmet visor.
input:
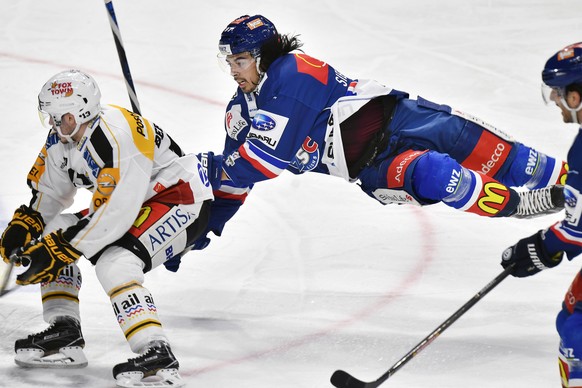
(49, 121)
(552, 94)
(235, 63)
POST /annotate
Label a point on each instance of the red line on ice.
(407, 282)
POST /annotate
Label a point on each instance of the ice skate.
(59, 346)
(540, 202)
(157, 367)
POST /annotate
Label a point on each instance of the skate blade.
(68, 357)
(163, 378)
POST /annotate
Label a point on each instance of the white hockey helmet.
(70, 91)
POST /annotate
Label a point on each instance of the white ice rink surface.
(311, 275)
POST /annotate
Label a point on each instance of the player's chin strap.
(573, 111)
(69, 137)
(261, 73)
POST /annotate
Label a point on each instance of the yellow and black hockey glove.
(26, 224)
(47, 256)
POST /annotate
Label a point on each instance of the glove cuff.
(545, 259)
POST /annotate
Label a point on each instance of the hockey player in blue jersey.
(562, 77)
(294, 112)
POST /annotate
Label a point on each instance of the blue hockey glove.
(173, 264)
(530, 256)
(47, 256)
(26, 224)
(213, 165)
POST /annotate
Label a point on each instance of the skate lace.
(43, 332)
(141, 356)
(535, 202)
(49, 329)
(147, 353)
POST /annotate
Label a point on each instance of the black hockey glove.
(213, 166)
(48, 256)
(26, 225)
(530, 256)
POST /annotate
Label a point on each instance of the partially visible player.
(150, 203)
(297, 113)
(562, 77)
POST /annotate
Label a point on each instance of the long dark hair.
(277, 47)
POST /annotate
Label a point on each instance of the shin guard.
(534, 170)
(136, 314)
(482, 195)
(61, 297)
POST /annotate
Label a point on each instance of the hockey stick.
(342, 379)
(122, 56)
(5, 272)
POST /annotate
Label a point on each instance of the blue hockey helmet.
(564, 68)
(561, 72)
(246, 34)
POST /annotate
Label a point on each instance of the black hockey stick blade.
(342, 379)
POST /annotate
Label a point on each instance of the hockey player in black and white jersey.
(149, 202)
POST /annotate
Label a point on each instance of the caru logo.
(263, 122)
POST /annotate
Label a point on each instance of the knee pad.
(437, 176)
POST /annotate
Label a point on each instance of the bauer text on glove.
(48, 256)
(26, 224)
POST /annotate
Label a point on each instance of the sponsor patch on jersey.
(267, 128)
(91, 163)
(106, 184)
(234, 122)
(39, 166)
(107, 181)
(307, 157)
(142, 132)
(263, 122)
